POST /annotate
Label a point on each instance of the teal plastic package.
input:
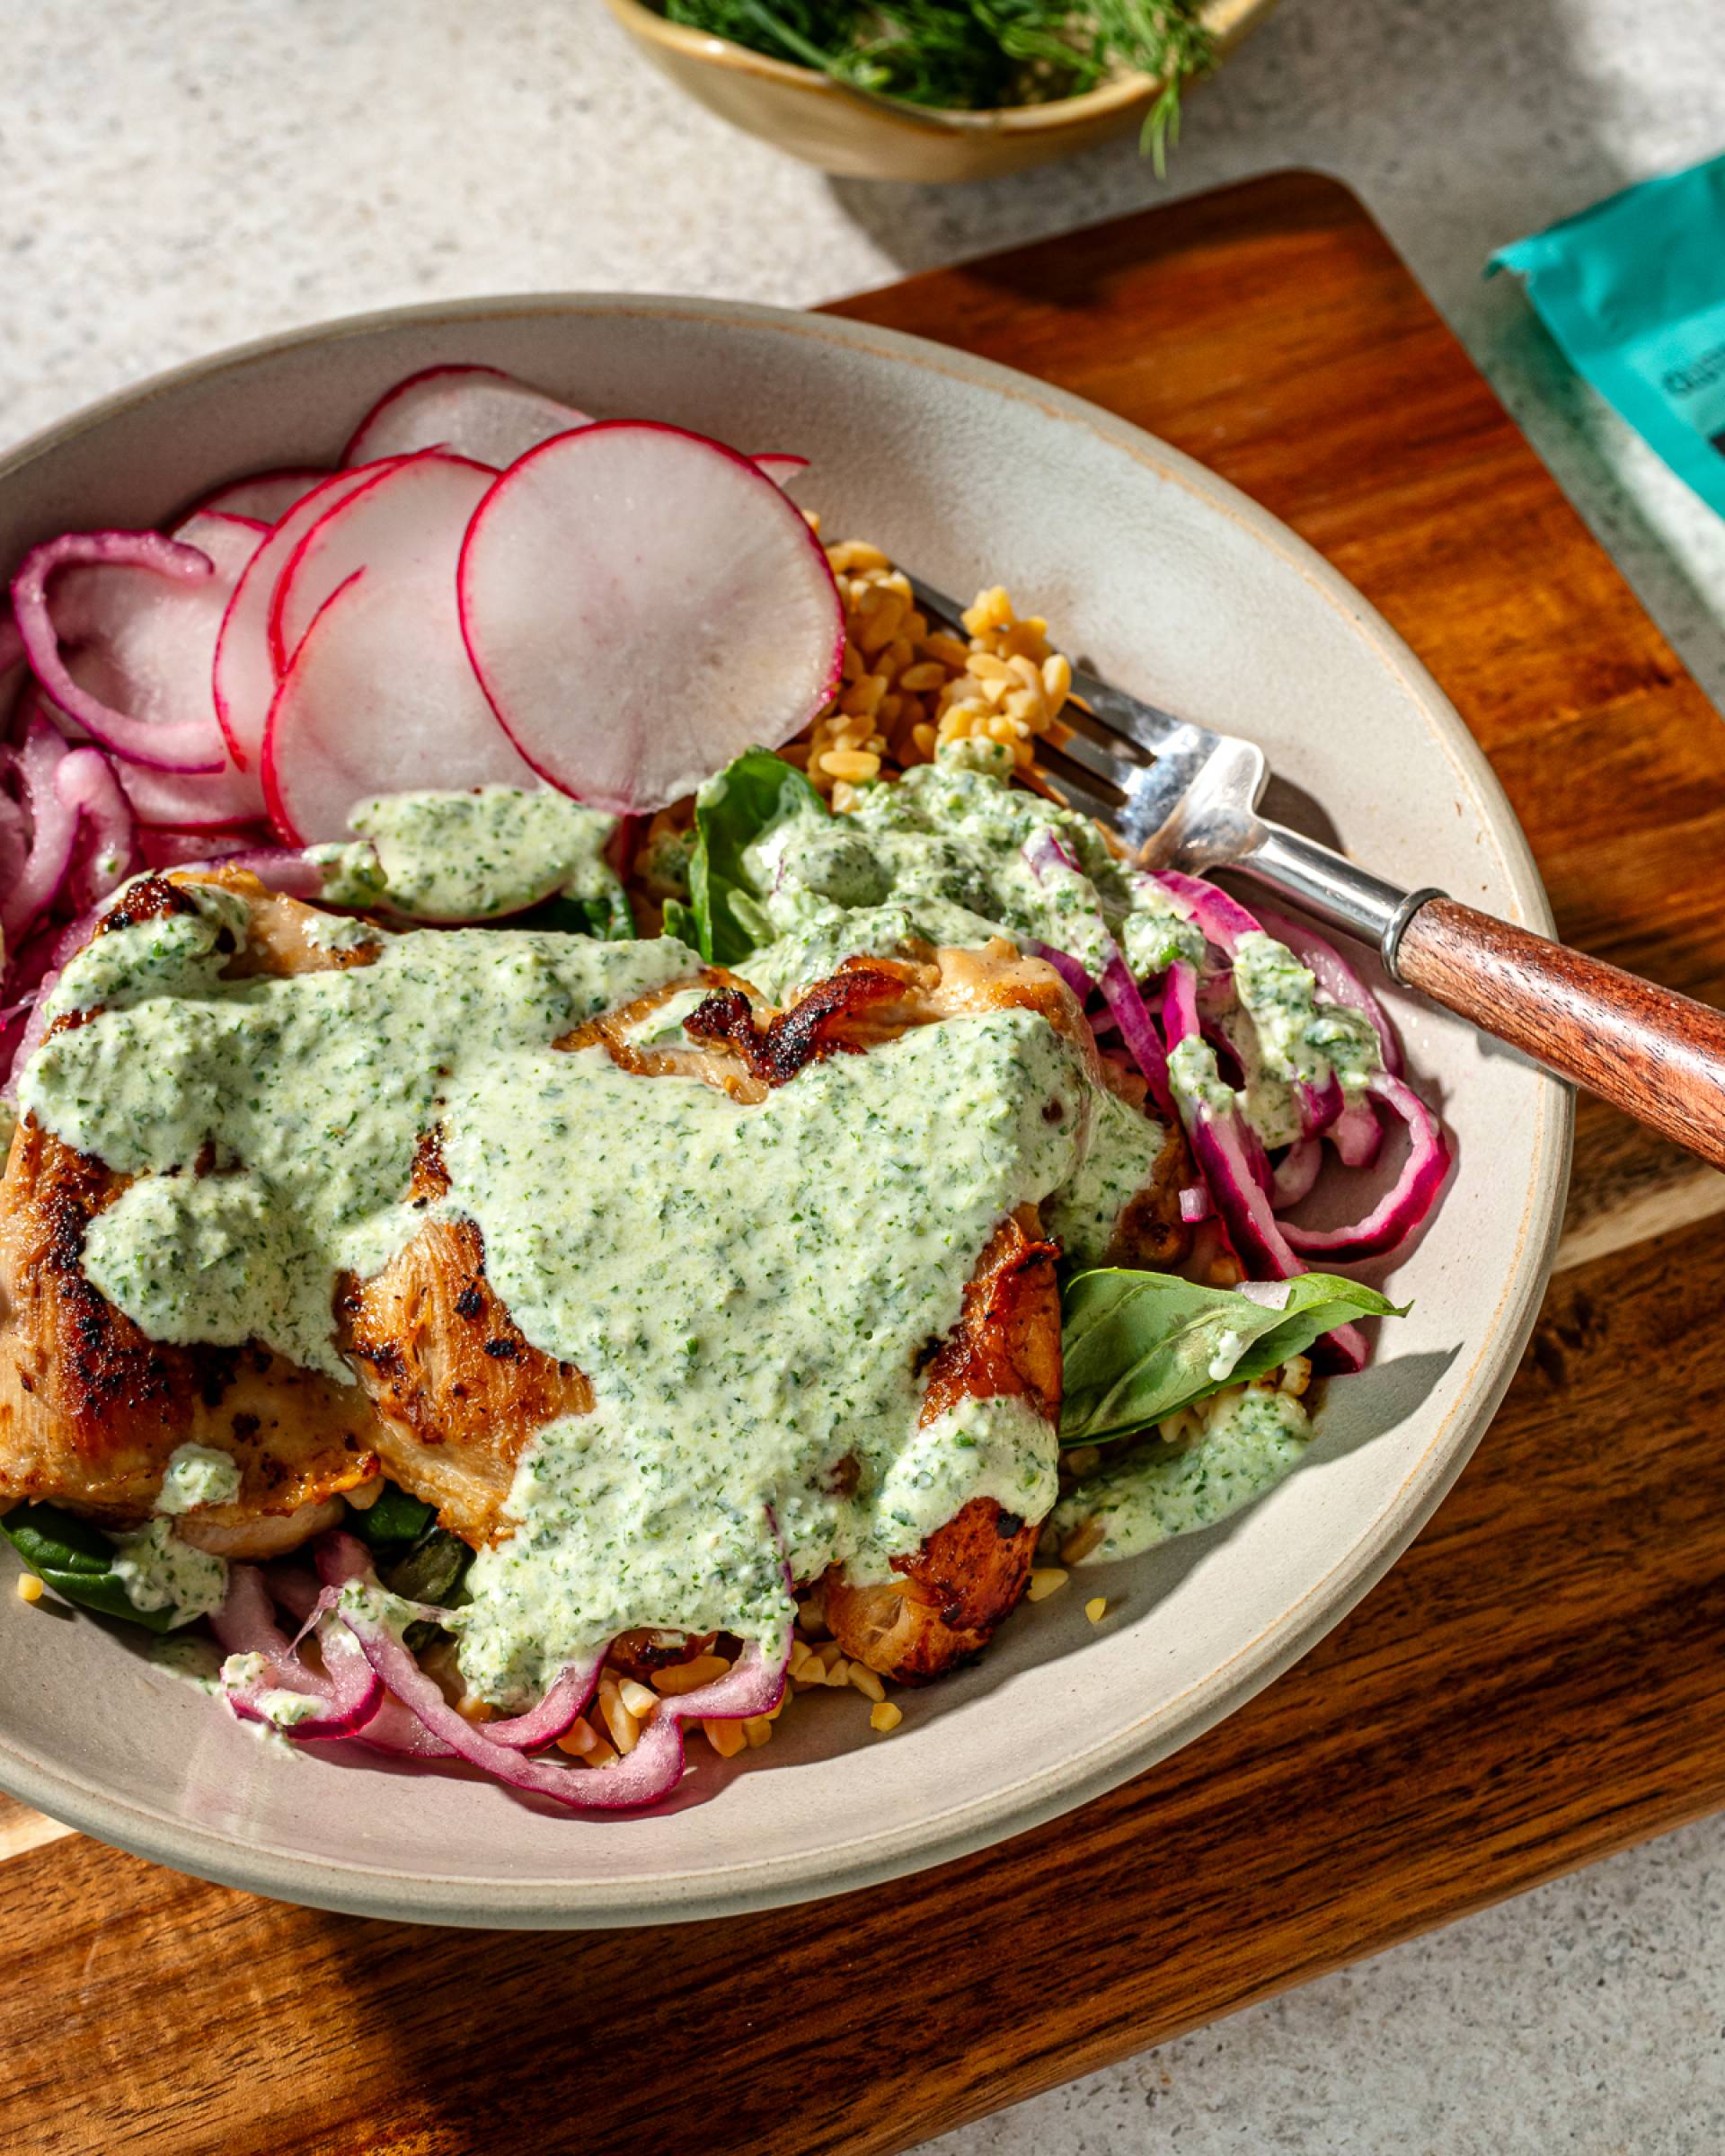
(1633, 290)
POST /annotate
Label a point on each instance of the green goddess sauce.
(749, 1289)
(941, 855)
(156, 1569)
(469, 856)
(1152, 1492)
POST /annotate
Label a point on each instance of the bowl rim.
(875, 1855)
(1224, 19)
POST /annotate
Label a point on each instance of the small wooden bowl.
(885, 138)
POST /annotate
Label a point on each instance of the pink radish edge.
(263, 566)
(280, 655)
(598, 428)
(276, 807)
(398, 390)
(281, 487)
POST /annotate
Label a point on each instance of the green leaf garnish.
(77, 1561)
(732, 811)
(1138, 1346)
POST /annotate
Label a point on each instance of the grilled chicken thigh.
(449, 1390)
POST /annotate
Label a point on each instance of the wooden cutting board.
(1535, 1684)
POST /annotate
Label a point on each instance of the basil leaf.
(1140, 1345)
(393, 1522)
(732, 811)
(77, 1561)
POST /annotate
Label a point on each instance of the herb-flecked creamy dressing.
(940, 855)
(468, 856)
(749, 1289)
(158, 1569)
(1155, 1491)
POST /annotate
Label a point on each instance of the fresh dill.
(977, 54)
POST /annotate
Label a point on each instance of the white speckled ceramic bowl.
(1185, 590)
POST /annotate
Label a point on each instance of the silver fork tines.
(1179, 795)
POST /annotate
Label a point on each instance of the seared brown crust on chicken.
(971, 1572)
(867, 1001)
(450, 1390)
(457, 1388)
(90, 1408)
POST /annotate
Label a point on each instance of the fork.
(1180, 795)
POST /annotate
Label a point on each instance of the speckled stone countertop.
(181, 174)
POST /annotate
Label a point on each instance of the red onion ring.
(347, 1692)
(1047, 857)
(1295, 1172)
(1218, 1142)
(753, 1686)
(87, 783)
(54, 827)
(1401, 1210)
(186, 745)
(1070, 971)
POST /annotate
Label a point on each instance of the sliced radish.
(642, 605)
(380, 697)
(370, 524)
(781, 467)
(477, 411)
(138, 616)
(230, 542)
(245, 674)
(214, 520)
(267, 496)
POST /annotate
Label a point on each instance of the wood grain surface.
(1658, 1056)
(1535, 1684)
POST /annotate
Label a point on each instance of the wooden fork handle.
(1656, 1055)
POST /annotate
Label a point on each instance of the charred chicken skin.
(448, 1391)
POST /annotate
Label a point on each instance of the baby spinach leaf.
(416, 1558)
(732, 811)
(608, 918)
(432, 1570)
(77, 1561)
(392, 1523)
(1140, 1345)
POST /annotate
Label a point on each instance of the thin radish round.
(781, 467)
(370, 524)
(138, 615)
(245, 674)
(206, 520)
(477, 411)
(380, 697)
(267, 496)
(642, 605)
(230, 542)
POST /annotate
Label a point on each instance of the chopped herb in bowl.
(977, 56)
